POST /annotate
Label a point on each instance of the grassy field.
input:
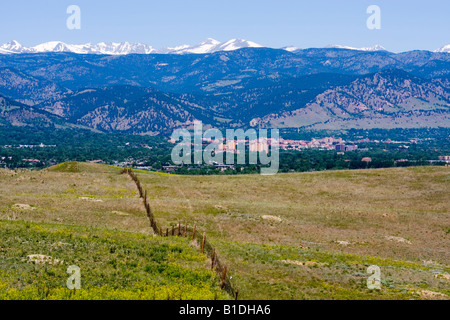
(90, 216)
(73, 193)
(113, 264)
(288, 236)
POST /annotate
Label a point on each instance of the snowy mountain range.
(114, 48)
(374, 48)
(58, 46)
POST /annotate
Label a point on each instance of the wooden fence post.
(223, 276)
(193, 233)
(149, 211)
(167, 232)
(212, 258)
(237, 292)
(179, 229)
(173, 230)
(203, 242)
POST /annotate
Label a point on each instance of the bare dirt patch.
(428, 294)
(22, 206)
(306, 263)
(90, 199)
(343, 243)
(121, 213)
(42, 259)
(271, 218)
(398, 239)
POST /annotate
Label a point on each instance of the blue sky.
(405, 25)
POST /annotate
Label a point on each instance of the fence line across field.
(185, 231)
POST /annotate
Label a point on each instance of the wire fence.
(186, 231)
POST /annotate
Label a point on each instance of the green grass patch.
(114, 265)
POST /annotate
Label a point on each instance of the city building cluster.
(264, 144)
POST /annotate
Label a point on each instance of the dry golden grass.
(96, 196)
(396, 218)
(333, 224)
(363, 208)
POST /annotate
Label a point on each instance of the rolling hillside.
(288, 236)
(90, 216)
(388, 99)
(19, 114)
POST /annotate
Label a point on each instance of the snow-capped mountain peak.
(210, 41)
(374, 48)
(12, 47)
(211, 45)
(444, 49)
(206, 46)
(115, 48)
(290, 48)
(51, 46)
(235, 44)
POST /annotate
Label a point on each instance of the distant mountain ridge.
(253, 86)
(115, 48)
(18, 114)
(391, 98)
(374, 48)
